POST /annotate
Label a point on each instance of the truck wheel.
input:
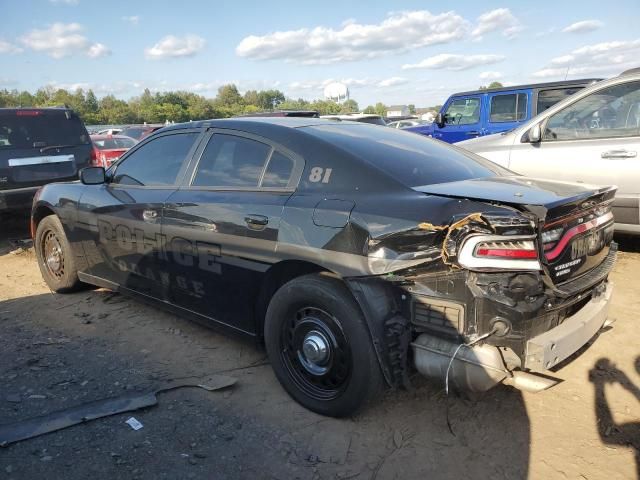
(55, 257)
(320, 347)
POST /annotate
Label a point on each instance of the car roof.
(143, 125)
(252, 123)
(560, 83)
(104, 136)
(44, 109)
(350, 116)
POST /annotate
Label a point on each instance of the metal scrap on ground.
(51, 422)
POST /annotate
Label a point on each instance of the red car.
(108, 148)
(138, 132)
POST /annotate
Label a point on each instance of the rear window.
(112, 143)
(412, 159)
(134, 132)
(38, 128)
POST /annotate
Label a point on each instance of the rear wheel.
(55, 257)
(319, 346)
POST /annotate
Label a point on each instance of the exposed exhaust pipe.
(529, 382)
(475, 368)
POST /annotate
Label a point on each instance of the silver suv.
(591, 137)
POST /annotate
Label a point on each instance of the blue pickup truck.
(477, 113)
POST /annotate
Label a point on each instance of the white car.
(357, 117)
(591, 137)
(405, 123)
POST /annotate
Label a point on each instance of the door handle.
(149, 215)
(256, 222)
(473, 132)
(618, 154)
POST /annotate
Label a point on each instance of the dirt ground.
(58, 351)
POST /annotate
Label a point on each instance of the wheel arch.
(38, 213)
(373, 296)
(277, 275)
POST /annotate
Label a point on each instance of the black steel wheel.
(320, 347)
(55, 257)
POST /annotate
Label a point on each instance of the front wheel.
(320, 347)
(55, 257)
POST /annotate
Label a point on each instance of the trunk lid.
(575, 224)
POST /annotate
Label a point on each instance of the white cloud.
(583, 27)
(7, 47)
(101, 89)
(392, 82)
(98, 50)
(498, 19)
(608, 58)
(490, 75)
(546, 32)
(399, 32)
(450, 61)
(7, 82)
(133, 19)
(172, 46)
(61, 40)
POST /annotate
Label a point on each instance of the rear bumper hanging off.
(555, 345)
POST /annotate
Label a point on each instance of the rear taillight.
(499, 252)
(554, 247)
(502, 249)
(97, 158)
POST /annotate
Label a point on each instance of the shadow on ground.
(58, 351)
(624, 434)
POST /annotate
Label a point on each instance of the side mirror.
(92, 175)
(535, 134)
(439, 120)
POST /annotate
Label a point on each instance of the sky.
(403, 52)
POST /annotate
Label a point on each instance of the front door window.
(611, 112)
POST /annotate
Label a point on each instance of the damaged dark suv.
(356, 253)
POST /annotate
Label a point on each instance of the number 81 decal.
(319, 174)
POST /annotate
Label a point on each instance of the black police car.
(38, 146)
(355, 253)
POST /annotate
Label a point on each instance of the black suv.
(38, 146)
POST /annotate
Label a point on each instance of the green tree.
(349, 106)
(325, 107)
(412, 109)
(270, 99)
(491, 85)
(380, 109)
(369, 109)
(228, 96)
(251, 98)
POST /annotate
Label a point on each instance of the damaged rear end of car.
(504, 280)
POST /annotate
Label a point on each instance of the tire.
(55, 257)
(318, 310)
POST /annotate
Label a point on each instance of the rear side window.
(278, 171)
(38, 128)
(411, 159)
(157, 162)
(463, 111)
(548, 98)
(231, 161)
(511, 107)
